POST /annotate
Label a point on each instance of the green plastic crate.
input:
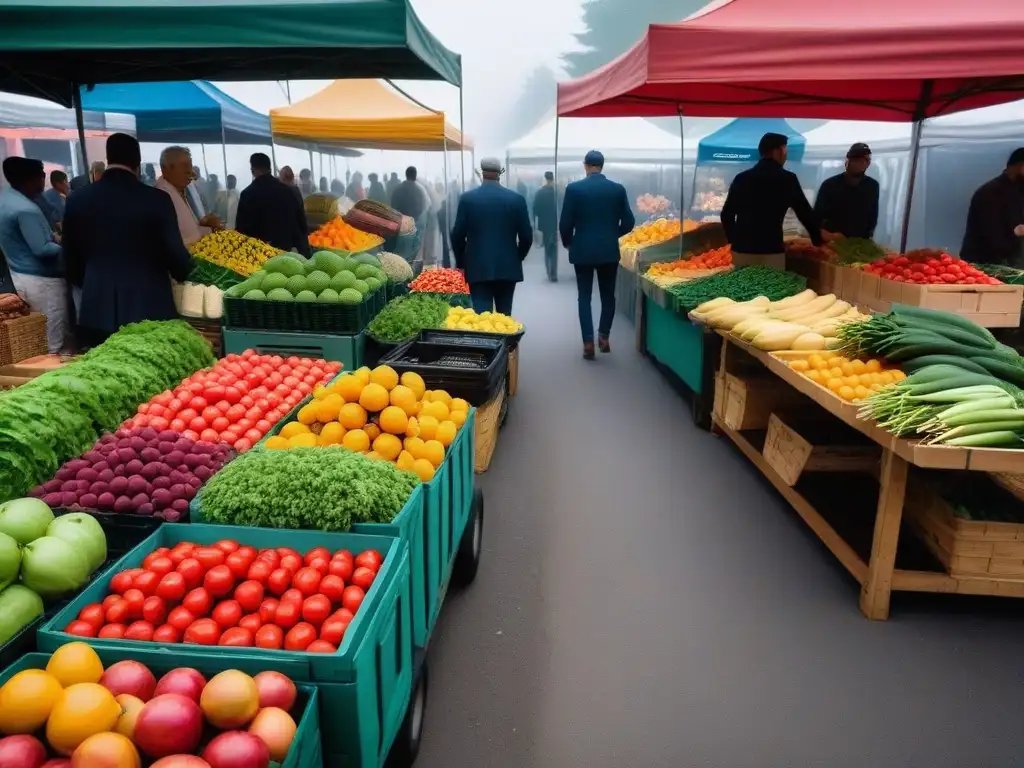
(347, 350)
(306, 750)
(297, 665)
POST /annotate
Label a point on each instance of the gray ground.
(645, 599)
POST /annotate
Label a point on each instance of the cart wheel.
(505, 405)
(467, 560)
(407, 743)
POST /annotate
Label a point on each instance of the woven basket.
(22, 338)
(485, 435)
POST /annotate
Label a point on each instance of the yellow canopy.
(367, 114)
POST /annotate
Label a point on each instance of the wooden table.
(878, 576)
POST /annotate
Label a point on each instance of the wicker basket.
(22, 338)
(485, 437)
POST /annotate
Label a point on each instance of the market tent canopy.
(625, 139)
(836, 136)
(736, 142)
(871, 60)
(189, 111)
(47, 44)
(31, 117)
(363, 113)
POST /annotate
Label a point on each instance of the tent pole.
(224, 150)
(508, 171)
(682, 177)
(206, 167)
(311, 166)
(76, 98)
(915, 151)
(557, 121)
(462, 142)
(273, 155)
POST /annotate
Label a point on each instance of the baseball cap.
(594, 158)
(1017, 156)
(860, 149)
(491, 165)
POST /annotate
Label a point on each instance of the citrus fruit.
(331, 434)
(440, 396)
(405, 461)
(373, 456)
(352, 416)
(423, 469)
(306, 440)
(446, 433)
(414, 446)
(84, 709)
(277, 443)
(393, 420)
(437, 409)
(405, 398)
(413, 427)
(384, 375)
(320, 392)
(372, 431)
(458, 418)
(293, 428)
(374, 398)
(433, 452)
(363, 374)
(428, 427)
(75, 663)
(415, 382)
(388, 446)
(106, 750)
(356, 440)
(458, 404)
(427, 396)
(26, 701)
(349, 387)
(308, 413)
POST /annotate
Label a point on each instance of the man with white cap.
(491, 237)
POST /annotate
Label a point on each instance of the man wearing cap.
(491, 237)
(756, 207)
(995, 220)
(595, 214)
(545, 217)
(847, 203)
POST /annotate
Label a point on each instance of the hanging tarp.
(369, 114)
(47, 44)
(736, 141)
(891, 60)
(32, 117)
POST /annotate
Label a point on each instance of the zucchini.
(1001, 369)
(908, 347)
(835, 310)
(917, 363)
(948, 318)
(946, 331)
(987, 440)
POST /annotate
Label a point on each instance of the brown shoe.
(588, 350)
(603, 345)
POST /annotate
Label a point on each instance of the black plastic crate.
(124, 531)
(474, 372)
(455, 336)
(375, 350)
(394, 290)
(309, 316)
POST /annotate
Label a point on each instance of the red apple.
(184, 681)
(276, 690)
(129, 677)
(180, 761)
(24, 752)
(169, 724)
(237, 749)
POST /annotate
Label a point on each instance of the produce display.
(42, 557)
(649, 204)
(337, 234)
(405, 316)
(59, 415)
(233, 250)
(929, 267)
(656, 231)
(852, 380)
(328, 277)
(738, 285)
(121, 715)
(397, 269)
(236, 401)
(381, 415)
(440, 280)
(207, 273)
(1003, 273)
(136, 471)
(234, 595)
(713, 259)
(856, 250)
(466, 319)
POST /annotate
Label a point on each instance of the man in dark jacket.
(269, 211)
(595, 214)
(409, 198)
(122, 246)
(545, 217)
(756, 207)
(376, 191)
(995, 220)
(847, 203)
(392, 184)
(491, 237)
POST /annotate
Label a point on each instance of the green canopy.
(46, 45)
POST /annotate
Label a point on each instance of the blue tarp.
(736, 142)
(190, 111)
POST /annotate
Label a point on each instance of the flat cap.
(491, 165)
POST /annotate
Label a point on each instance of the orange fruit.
(458, 404)
(446, 432)
(384, 375)
(308, 413)
(414, 446)
(372, 431)
(415, 382)
(405, 461)
(130, 708)
(307, 440)
(433, 452)
(458, 418)
(328, 408)
(374, 398)
(441, 396)
(356, 440)
(352, 416)
(349, 387)
(405, 398)
(277, 443)
(320, 392)
(388, 446)
(106, 750)
(413, 428)
(428, 427)
(394, 420)
(85, 709)
(437, 409)
(423, 469)
(293, 428)
(363, 374)
(75, 663)
(331, 434)
(26, 701)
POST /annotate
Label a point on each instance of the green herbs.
(1009, 275)
(207, 273)
(57, 416)
(325, 489)
(406, 316)
(739, 285)
(856, 250)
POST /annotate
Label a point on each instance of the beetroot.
(190, 492)
(138, 500)
(77, 464)
(162, 498)
(52, 499)
(67, 499)
(178, 491)
(119, 470)
(202, 474)
(148, 433)
(122, 433)
(174, 458)
(137, 444)
(100, 467)
(106, 475)
(162, 482)
(119, 485)
(180, 505)
(92, 456)
(64, 474)
(136, 484)
(99, 487)
(178, 477)
(88, 474)
(124, 455)
(150, 455)
(183, 444)
(122, 504)
(69, 486)
(107, 439)
(152, 471)
(168, 436)
(133, 467)
(193, 460)
(165, 447)
(89, 500)
(51, 486)
(144, 509)
(105, 501)
(171, 515)
(205, 448)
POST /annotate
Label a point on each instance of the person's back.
(269, 211)
(410, 199)
(488, 235)
(595, 214)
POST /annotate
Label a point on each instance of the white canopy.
(621, 139)
(1003, 122)
(836, 136)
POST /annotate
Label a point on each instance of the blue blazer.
(595, 214)
(492, 234)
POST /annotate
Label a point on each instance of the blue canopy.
(736, 142)
(189, 111)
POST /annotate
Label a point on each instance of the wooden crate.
(821, 448)
(513, 372)
(15, 375)
(749, 400)
(965, 547)
(485, 434)
(22, 338)
(211, 330)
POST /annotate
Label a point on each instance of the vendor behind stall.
(995, 220)
(176, 176)
(757, 204)
(847, 203)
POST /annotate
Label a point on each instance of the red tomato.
(160, 565)
(227, 545)
(154, 610)
(246, 551)
(369, 559)
(235, 412)
(279, 581)
(202, 632)
(180, 618)
(81, 628)
(198, 601)
(220, 424)
(210, 436)
(172, 587)
(260, 570)
(344, 554)
(163, 398)
(166, 634)
(146, 582)
(332, 587)
(242, 445)
(112, 631)
(290, 561)
(219, 581)
(247, 400)
(307, 581)
(268, 609)
(341, 567)
(156, 553)
(108, 601)
(182, 551)
(249, 595)
(177, 425)
(238, 637)
(192, 571)
(321, 565)
(188, 414)
(121, 582)
(263, 426)
(269, 636)
(270, 556)
(299, 637)
(321, 646)
(352, 598)
(316, 609)
(238, 563)
(232, 395)
(197, 403)
(228, 614)
(139, 630)
(316, 552)
(333, 630)
(287, 614)
(253, 435)
(210, 556)
(134, 599)
(274, 416)
(209, 413)
(157, 422)
(252, 622)
(92, 614)
(198, 424)
(292, 596)
(363, 577)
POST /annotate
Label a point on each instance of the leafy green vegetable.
(856, 250)
(739, 285)
(406, 316)
(1009, 275)
(207, 273)
(327, 488)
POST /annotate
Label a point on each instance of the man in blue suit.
(491, 237)
(595, 214)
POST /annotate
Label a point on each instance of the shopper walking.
(491, 237)
(545, 217)
(376, 191)
(595, 214)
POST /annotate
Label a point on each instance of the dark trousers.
(606, 274)
(492, 296)
(551, 255)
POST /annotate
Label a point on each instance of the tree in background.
(534, 102)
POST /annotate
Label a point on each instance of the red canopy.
(896, 60)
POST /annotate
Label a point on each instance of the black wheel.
(467, 560)
(505, 405)
(407, 743)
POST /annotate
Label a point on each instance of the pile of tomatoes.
(440, 280)
(929, 267)
(234, 595)
(237, 401)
